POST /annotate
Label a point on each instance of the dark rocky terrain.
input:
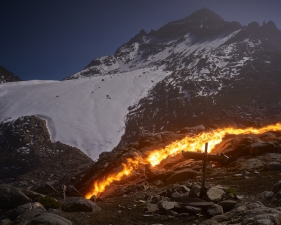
(29, 158)
(7, 76)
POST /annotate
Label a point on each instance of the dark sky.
(52, 39)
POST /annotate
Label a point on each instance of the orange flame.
(195, 143)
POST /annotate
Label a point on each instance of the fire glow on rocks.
(195, 143)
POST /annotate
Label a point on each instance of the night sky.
(52, 39)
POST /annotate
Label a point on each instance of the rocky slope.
(7, 76)
(29, 158)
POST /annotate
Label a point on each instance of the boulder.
(167, 205)
(267, 195)
(150, 208)
(247, 213)
(176, 196)
(32, 194)
(191, 210)
(46, 189)
(273, 166)
(14, 213)
(49, 219)
(195, 190)
(214, 210)
(11, 197)
(78, 204)
(181, 175)
(27, 216)
(215, 194)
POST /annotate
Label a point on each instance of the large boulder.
(11, 197)
(247, 213)
(48, 219)
(77, 204)
(14, 213)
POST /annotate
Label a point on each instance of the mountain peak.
(204, 14)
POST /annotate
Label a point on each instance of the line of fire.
(198, 147)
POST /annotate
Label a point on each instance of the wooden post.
(203, 189)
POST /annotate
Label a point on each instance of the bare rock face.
(7, 76)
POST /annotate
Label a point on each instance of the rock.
(215, 194)
(267, 195)
(181, 175)
(150, 208)
(176, 196)
(72, 191)
(27, 216)
(191, 210)
(77, 204)
(31, 194)
(14, 213)
(277, 187)
(167, 205)
(273, 166)
(214, 210)
(46, 189)
(5, 222)
(261, 148)
(184, 189)
(227, 205)
(195, 190)
(247, 213)
(49, 219)
(11, 197)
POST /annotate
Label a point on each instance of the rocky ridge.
(7, 76)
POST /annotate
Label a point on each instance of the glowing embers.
(194, 143)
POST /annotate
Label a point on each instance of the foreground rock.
(11, 197)
(43, 219)
(247, 213)
(77, 204)
(13, 214)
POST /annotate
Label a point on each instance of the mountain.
(7, 76)
(197, 70)
(222, 74)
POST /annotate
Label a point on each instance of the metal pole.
(203, 189)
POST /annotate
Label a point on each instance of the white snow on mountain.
(87, 113)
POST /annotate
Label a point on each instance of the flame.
(194, 143)
(128, 167)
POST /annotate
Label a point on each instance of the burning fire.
(195, 143)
